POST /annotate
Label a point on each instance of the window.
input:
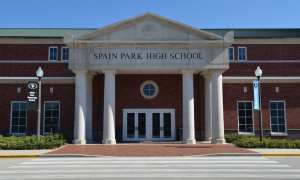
(64, 53)
(277, 115)
(149, 89)
(245, 117)
(51, 117)
(18, 118)
(52, 55)
(242, 53)
(231, 53)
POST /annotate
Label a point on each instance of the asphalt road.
(166, 168)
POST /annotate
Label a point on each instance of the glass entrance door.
(148, 124)
(161, 125)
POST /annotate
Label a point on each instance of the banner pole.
(39, 112)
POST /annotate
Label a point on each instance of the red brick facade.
(128, 96)
(269, 51)
(278, 69)
(65, 94)
(170, 88)
(51, 69)
(254, 51)
(25, 52)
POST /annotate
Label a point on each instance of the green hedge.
(254, 142)
(30, 142)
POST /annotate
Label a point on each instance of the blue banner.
(256, 94)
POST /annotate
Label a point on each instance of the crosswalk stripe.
(104, 176)
(151, 170)
(163, 165)
(149, 158)
(165, 162)
(150, 167)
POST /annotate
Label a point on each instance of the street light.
(39, 74)
(258, 73)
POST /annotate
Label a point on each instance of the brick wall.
(27, 51)
(269, 69)
(128, 96)
(63, 93)
(29, 69)
(254, 51)
(287, 92)
(269, 51)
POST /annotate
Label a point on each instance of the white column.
(188, 107)
(208, 110)
(109, 108)
(89, 107)
(217, 108)
(80, 107)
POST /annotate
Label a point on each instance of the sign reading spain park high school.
(147, 56)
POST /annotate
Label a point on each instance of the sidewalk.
(148, 149)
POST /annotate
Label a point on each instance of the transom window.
(64, 53)
(18, 117)
(51, 117)
(52, 54)
(149, 89)
(231, 53)
(277, 115)
(242, 53)
(245, 116)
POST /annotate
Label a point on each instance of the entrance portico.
(143, 45)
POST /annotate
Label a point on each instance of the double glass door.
(148, 124)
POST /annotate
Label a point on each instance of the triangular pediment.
(146, 27)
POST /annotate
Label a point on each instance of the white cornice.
(31, 61)
(268, 41)
(31, 41)
(240, 79)
(265, 61)
(45, 80)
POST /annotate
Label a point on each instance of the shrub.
(231, 138)
(30, 142)
(254, 142)
(250, 142)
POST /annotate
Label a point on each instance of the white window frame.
(62, 54)
(51, 116)
(285, 130)
(248, 133)
(245, 53)
(49, 53)
(232, 53)
(156, 89)
(11, 112)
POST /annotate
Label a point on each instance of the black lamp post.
(258, 73)
(39, 74)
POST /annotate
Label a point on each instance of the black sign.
(32, 95)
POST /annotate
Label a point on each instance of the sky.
(203, 14)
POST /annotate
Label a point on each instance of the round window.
(149, 89)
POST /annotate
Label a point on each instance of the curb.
(20, 156)
(280, 154)
(67, 155)
(217, 154)
(233, 154)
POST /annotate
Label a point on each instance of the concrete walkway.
(147, 149)
(29, 152)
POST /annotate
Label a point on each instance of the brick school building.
(149, 78)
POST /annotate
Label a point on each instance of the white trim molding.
(245, 79)
(46, 80)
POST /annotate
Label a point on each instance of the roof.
(41, 32)
(258, 33)
(59, 32)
